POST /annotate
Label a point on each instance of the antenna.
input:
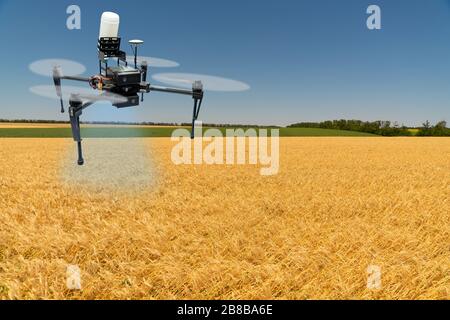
(134, 45)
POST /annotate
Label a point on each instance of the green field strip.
(142, 132)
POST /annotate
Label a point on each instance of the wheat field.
(151, 230)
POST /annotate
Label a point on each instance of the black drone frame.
(109, 48)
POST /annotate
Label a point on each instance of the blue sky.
(304, 60)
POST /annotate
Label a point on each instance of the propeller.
(154, 62)
(80, 93)
(210, 83)
(46, 67)
(57, 74)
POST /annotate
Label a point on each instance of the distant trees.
(383, 128)
(438, 130)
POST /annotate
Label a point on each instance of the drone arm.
(81, 79)
(171, 90)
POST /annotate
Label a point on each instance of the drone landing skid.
(75, 111)
(196, 112)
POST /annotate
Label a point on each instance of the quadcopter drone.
(120, 79)
(121, 84)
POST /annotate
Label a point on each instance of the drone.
(123, 85)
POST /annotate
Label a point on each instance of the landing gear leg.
(197, 95)
(80, 154)
(196, 112)
(75, 111)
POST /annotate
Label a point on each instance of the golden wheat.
(337, 206)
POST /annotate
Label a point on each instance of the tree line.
(382, 128)
(438, 130)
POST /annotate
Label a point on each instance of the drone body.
(119, 83)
